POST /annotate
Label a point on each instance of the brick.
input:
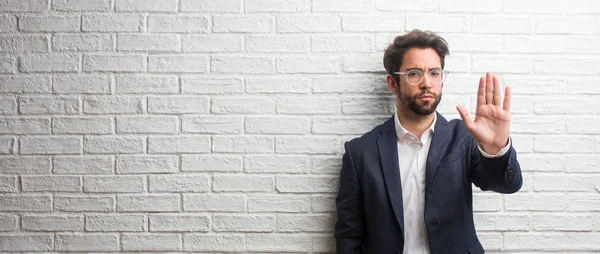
(115, 223)
(493, 6)
(213, 243)
(365, 105)
(191, 85)
(555, 66)
(323, 204)
(582, 45)
(277, 125)
(50, 145)
(580, 7)
(211, 43)
(242, 183)
(551, 241)
(8, 184)
(81, 84)
(148, 42)
(535, 202)
(28, 6)
(581, 163)
(146, 5)
(179, 183)
(562, 183)
(328, 44)
(326, 164)
(243, 223)
(114, 184)
(583, 203)
(447, 23)
(114, 63)
(565, 25)
(509, 64)
(308, 105)
(23, 43)
(269, 43)
(279, 6)
(310, 145)
(242, 144)
(242, 65)
(147, 164)
(51, 183)
(351, 126)
(211, 6)
(569, 222)
(242, 24)
(558, 105)
(457, 64)
(178, 24)
(49, 105)
(305, 223)
(278, 203)
(277, 85)
(8, 64)
(148, 203)
(475, 43)
(553, 144)
(502, 222)
(277, 242)
(491, 241)
(82, 42)
(8, 222)
(532, 6)
(179, 223)
(510, 24)
(406, 5)
(242, 105)
(148, 124)
(538, 124)
(150, 84)
(542, 162)
(25, 165)
(52, 222)
(179, 144)
(363, 63)
(523, 143)
(84, 203)
(150, 242)
(214, 203)
(212, 124)
(8, 24)
(324, 243)
(81, 5)
(177, 63)
(211, 163)
(348, 85)
(20, 85)
(7, 145)
(26, 241)
(306, 184)
(275, 164)
(582, 86)
(312, 64)
(582, 126)
(535, 44)
(112, 23)
(113, 144)
(49, 23)
(87, 242)
(25, 203)
(342, 6)
(178, 104)
(308, 23)
(533, 85)
(9, 125)
(373, 24)
(82, 125)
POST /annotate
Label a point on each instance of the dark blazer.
(369, 201)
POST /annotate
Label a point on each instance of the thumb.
(464, 114)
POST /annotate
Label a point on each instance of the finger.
(481, 92)
(489, 88)
(497, 92)
(507, 96)
(464, 114)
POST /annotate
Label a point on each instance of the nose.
(426, 82)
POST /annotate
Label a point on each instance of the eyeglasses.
(415, 76)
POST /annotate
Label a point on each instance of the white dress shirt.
(412, 157)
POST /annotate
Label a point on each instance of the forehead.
(422, 58)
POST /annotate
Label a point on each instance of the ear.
(392, 85)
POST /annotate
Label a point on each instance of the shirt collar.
(401, 132)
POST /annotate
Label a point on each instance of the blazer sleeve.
(501, 174)
(349, 227)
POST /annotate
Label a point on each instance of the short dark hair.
(394, 54)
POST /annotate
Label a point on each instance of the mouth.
(426, 96)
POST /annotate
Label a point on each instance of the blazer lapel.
(439, 144)
(388, 157)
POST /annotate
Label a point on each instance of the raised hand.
(491, 126)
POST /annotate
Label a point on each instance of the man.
(405, 186)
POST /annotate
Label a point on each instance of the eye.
(435, 73)
(414, 73)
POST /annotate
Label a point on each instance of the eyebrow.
(435, 68)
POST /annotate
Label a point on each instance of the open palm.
(491, 126)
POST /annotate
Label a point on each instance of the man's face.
(424, 97)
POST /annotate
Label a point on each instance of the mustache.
(426, 92)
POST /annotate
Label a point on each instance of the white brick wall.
(217, 126)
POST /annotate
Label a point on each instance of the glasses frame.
(444, 73)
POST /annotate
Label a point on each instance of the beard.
(421, 109)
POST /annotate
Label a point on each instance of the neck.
(414, 123)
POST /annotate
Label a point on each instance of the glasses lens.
(414, 76)
(436, 76)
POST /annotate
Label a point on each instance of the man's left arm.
(499, 172)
